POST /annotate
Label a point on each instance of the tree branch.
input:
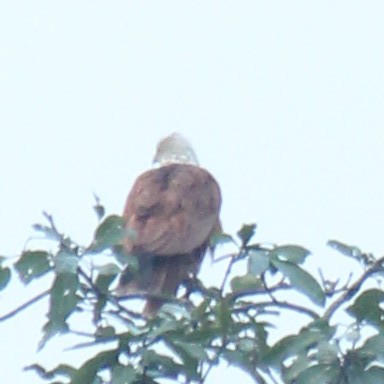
(25, 305)
(281, 304)
(110, 298)
(354, 288)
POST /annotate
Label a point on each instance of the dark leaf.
(293, 345)
(300, 364)
(246, 233)
(373, 375)
(105, 332)
(324, 354)
(326, 351)
(373, 349)
(224, 318)
(200, 335)
(33, 264)
(164, 328)
(360, 371)
(367, 307)
(63, 302)
(5, 277)
(292, 253)
(124, 375)
(88, 371)
(99, 208)
(286, 347)
(110, 232)
(106, 274)
(194, 350)
(157, 365)
(301, 280)
(188, 357)
(238, 358)
(322, 373)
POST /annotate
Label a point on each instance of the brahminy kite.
(172, 212)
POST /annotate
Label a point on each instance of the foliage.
(206, 326)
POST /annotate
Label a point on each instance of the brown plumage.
(173, 210)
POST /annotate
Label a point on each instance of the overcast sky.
(283, 102)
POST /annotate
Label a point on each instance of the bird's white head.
(174, 149)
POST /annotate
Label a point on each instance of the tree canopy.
(207, 325)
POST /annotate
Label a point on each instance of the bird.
(171, 213)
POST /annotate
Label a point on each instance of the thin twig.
(280, 304)
(110, 298)
(224, 257)
(354, 288)
(206, 373)
(234, 258)
(25, 305)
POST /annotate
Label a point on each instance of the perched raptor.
(172, 212)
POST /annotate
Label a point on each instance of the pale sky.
(282, 101)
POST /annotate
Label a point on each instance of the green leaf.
(194, 350)
(5, 277)
(367, 307)
(157, 365)
(124, 375)
(246, 233)
(33, 264)
(201, 335)
(348, 250)
(88, 371)
(322, 373)
(239, 359)
(189, 353)
(106, 274)
(292, 253)
(373, 349)
(66, 262)
(373, 375)
(360, 371)
(324, 355)
(63, 301)
(301, 280)
(286, 347)
(165, 327)
(219, 239)
(300, 364)
(49, 232)
(110, 232)
(327, 352)
(247, 344)
(311, 336)
(258, 262)
(244, 283)
(224, 318)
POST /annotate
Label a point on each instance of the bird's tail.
(152, 306)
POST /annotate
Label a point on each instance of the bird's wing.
(172, 210)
